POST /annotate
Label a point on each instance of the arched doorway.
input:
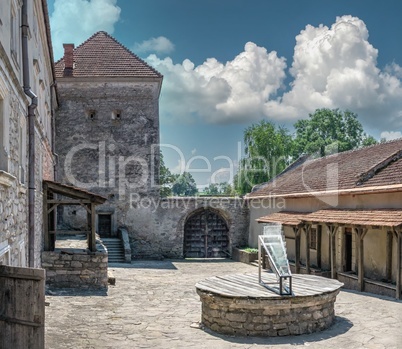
(206, 235)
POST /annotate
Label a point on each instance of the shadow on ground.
(166, 263)
(75, 292)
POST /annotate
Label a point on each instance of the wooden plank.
(22, 300)
(308, 231)
(333, 251)
(319, 250)
(388, 263)
(46, 246)
(398, 265)
(246, 285)
(21, 273)
(360, 275)
(297, 250)
(68, 202)
(70, 232)
(92, 236)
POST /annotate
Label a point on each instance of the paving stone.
(154, 305)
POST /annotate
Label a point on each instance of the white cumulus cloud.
(73, 21)
(161, 45)
(221, 93)
(333, 67)
(390, 135)
(337, 68)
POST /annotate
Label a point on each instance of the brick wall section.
(83, 270)
(267, 317)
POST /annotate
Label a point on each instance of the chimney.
(68, 59)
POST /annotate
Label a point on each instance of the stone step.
(115, 250)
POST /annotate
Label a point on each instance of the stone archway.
(206, 235)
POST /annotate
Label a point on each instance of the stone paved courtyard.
(154, 305)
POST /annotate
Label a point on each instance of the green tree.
(268, 150)
(223, 188)
(212, 189)
(329, 131)
(226, 188)
(166, 178)
(185, 185)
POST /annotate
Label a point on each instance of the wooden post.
(45, 220)
(297, 249)
(307, 229)
(319, 232)
(360, 276)
(92, 243)
(388, 265)
(332, 232)
(398, 265)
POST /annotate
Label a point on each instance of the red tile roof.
(387, 217)
(375, 166)
(102, 55)
(284, 217)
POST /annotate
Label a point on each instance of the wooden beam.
(92, 242)
(297, 249)
(360, 275)
(52, 208)
(308, 231)
(319, 250)
(398, 265)
(46, 246)
(70, 232)
(388, 263)
(69, 202)
(332, 234)
(87, 207)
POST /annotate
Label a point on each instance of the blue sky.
(230, 63)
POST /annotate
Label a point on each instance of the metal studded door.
(206, 236)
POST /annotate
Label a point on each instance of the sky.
(230, 63)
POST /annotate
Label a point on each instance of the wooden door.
(22, 308)
(206, 236)
(348, 251)
(105, 225)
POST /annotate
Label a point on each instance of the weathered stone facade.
(14, 136)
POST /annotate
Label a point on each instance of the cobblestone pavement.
(154, 305)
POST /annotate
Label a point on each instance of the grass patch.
(249, 249)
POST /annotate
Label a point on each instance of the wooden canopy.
(360, 220)
(385, 217)
(284, 217)
(69, 196)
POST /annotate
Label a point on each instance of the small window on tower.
(116, 115)
(91, 114)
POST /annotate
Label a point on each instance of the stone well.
(239, 305)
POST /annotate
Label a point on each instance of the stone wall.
(162, 232)
(81, 270)
(267, 317)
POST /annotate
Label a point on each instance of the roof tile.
(340, 171)
(102, 55)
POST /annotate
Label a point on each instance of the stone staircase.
(115, 250)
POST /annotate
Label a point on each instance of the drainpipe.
(31, 135)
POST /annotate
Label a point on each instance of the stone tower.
(107, 131)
